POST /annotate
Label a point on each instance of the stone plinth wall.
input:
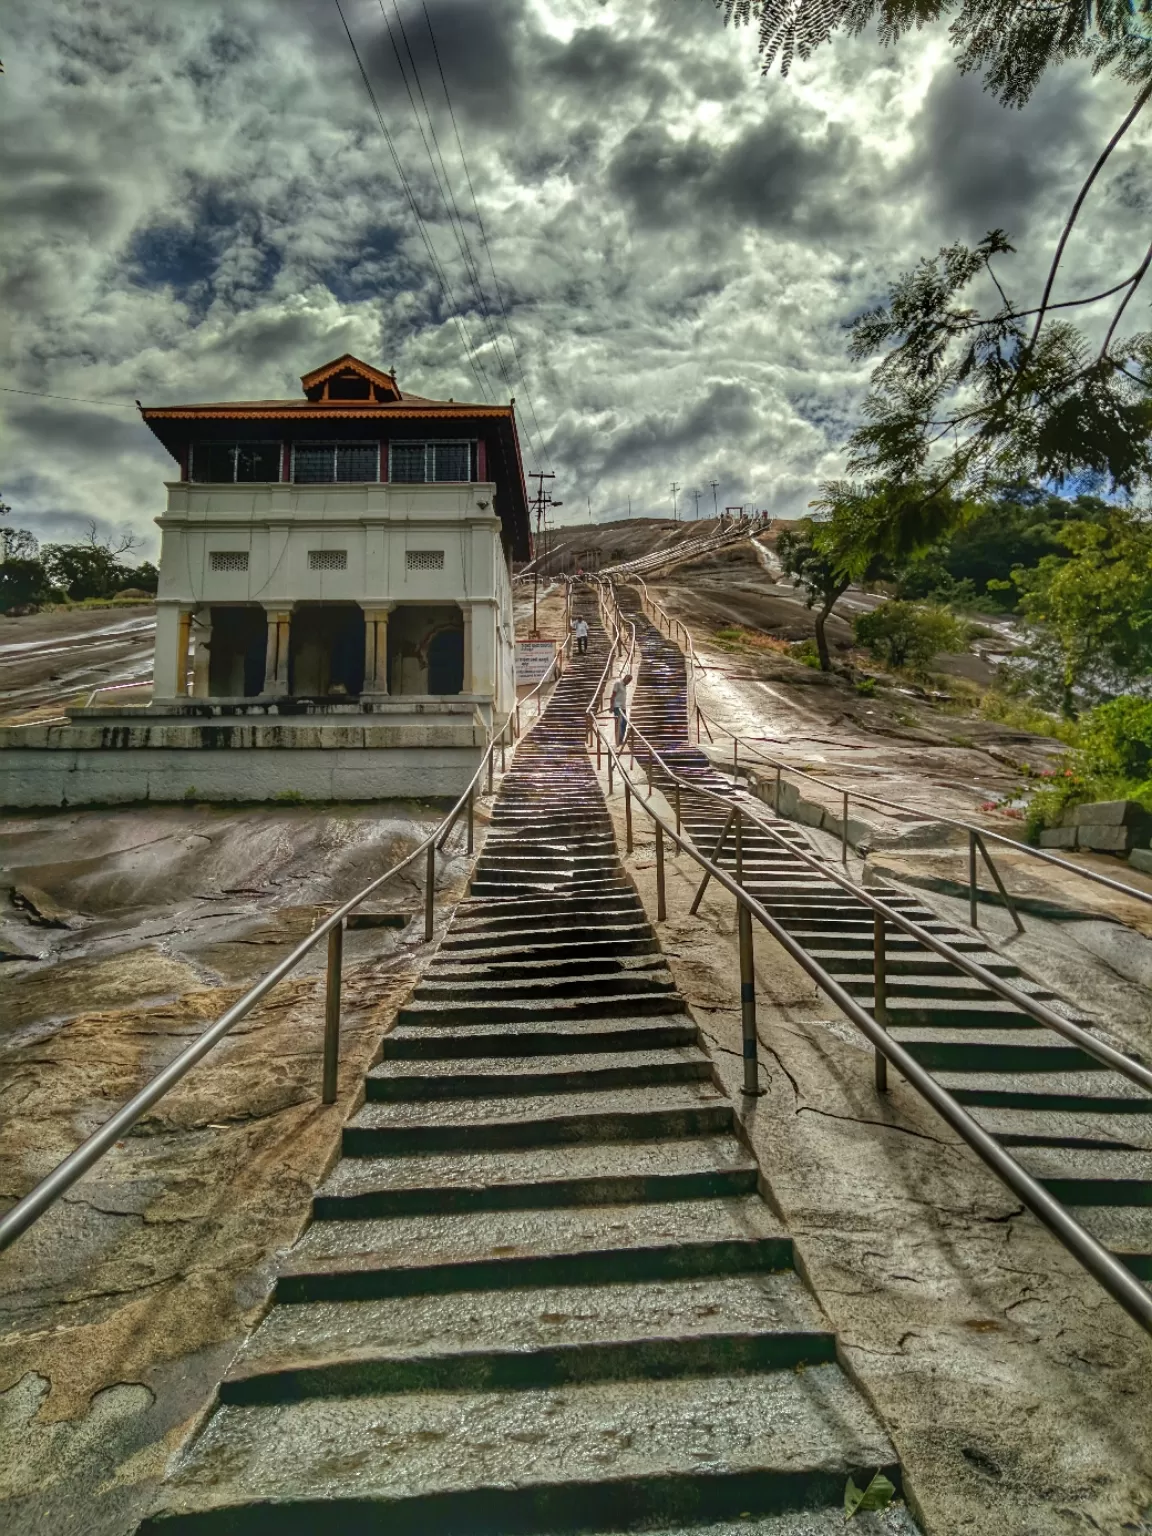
(175, 761)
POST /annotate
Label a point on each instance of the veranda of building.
(334, 616)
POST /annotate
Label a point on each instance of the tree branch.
(1137, 107)
(1136, 279)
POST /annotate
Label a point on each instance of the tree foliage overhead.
(973, 400)
(1010, 42)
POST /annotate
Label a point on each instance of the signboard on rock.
(533, 658)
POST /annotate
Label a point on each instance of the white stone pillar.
(276, 654)
(469, 671)
(170, 666)
(480, 648)
(202, 653)
(376, 647)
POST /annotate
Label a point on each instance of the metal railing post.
(844, 829)
(609, 773)
(332, 1014)
(735, 754)
(504, 749)
(429, 892)
(678, 825)
(491, 765)
(972, 880)
(661, 904)
(880, 994)
(748, 1001)
(777, 807)
(471, 822)
(628, 814)
(739, 841)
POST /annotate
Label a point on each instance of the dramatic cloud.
(197, 202)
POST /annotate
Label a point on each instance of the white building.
(334, 615)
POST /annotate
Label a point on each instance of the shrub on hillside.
(908, 634)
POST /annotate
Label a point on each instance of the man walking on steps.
(619, 703)
(580, 628)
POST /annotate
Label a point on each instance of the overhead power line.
(44, 394)
(441, 177)
(485, 241)
(445, 287)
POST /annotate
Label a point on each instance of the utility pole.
(629, 506)
(539, 502)
(715, 505)
(697, 496)
(589, 509)
(675, 493)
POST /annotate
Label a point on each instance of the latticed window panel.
(328, 559)
(408, 463)
(450, 461)
(425, 559)
(357, 461)
(335, 463)
(228, 559)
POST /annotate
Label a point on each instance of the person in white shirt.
(580, 629)
(618, 700)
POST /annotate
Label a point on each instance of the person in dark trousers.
(619, 703)
(580, 628)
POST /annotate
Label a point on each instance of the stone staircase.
(1083, 1131)
(540, 1292)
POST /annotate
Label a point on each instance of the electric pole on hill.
(697, 496)
(675, 493)
(539, 502)
(715, 504)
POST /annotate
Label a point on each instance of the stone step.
(1092, 1089)
(538, 1120)
(546, 979)
(546, 1246)
(1056, 1128)
(587, 1456)
(524, 1009)
(1079, 1176)
(519, 1339)
(578, 1073)
(1009, 1051)
(603, 1173)
(527, 1038)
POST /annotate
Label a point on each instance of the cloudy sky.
(197, 203)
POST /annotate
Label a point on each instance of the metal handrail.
(29, 1209)
(949, 821)
(1104, 1267)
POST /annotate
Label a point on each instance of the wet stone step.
(526, 1338)
(422, 1462)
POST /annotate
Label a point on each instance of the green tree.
(907, 635)
(1090, 612)
(814, 572)
(23, 582)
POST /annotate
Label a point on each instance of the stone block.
(1058, 837)
(1111, 813)
(1105, 839)
(1141, 859)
